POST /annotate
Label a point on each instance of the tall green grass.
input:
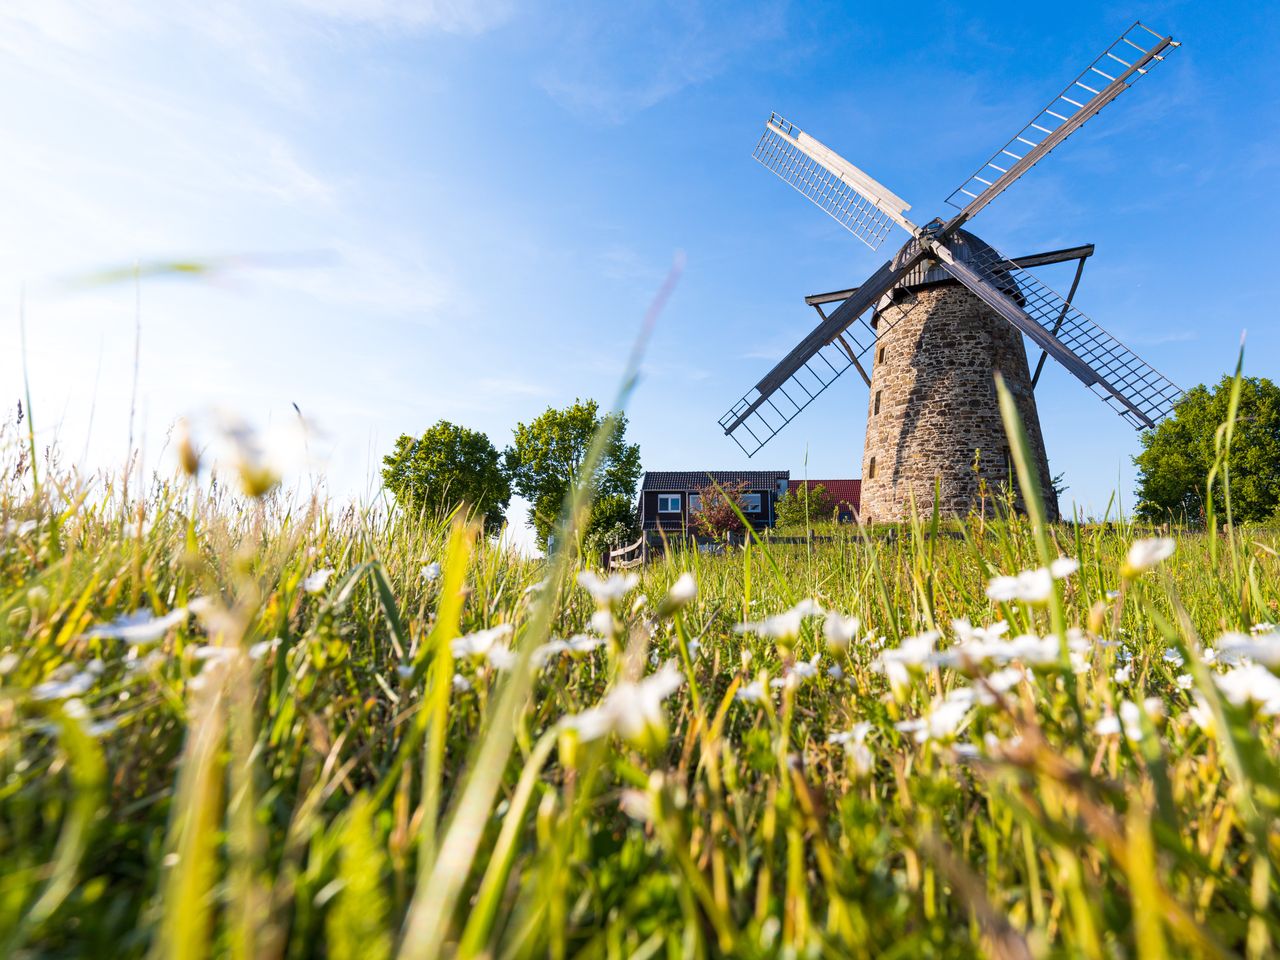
(300, 766)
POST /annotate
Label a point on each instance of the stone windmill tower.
(947, 313)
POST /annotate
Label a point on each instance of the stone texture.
(932, 413)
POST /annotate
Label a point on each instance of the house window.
(751, 503)
(877, 403)
(668, 503)
(695, 502)
(880, 356)
(871, 469)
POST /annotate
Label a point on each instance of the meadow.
(271, 727)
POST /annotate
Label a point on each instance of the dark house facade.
(845, 494)
(669, 498)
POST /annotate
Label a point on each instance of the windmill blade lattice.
(1128, 384)
(860, 204)
(791, 386)
(1136, 51)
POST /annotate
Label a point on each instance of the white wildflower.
(1173, 658)
(941, 722)
(100, 728)
(8, 662)
(1201, 714)
(500, 657)
(1251, 683)
(1145, 554)
(785, 625)
(861, 759)
(855, 734)
(835, 672)
(78, 685)
(1107, 726)
(1261, 648)
(606, 591)
(460, 683)
(1063, 567)
(1030, 586)
(602, 622)
(405, 671)
(632, 710)
(315, 583)
(695, 648)
(140, 627)
(1209, 655)
(752, 692)
(806, 669)
(263, 647)
(914, 653)
(1185, 681)
(431, 572)
(1123, 674)
(681, 593)
(636, 804)
(1129, 720)
(477, 644)
(839, 630)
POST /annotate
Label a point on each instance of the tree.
(716, 517)
(548, 453)
(446, 466)
(804, 505)
(1177, 455)
(612, 523)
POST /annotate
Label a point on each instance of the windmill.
(946, 313)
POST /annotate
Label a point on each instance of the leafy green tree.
(549, 452)
(446, 466)
(612, 523)
(804, 505)
(1176, 456)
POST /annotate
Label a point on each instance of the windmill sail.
(812, 365)
(1128, 384)
(1136, 51)
(860, 204)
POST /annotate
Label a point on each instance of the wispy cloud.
(618, 59)
(450, 16)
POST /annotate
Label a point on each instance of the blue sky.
(478, 199)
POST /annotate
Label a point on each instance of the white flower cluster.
(632, 710)
(141, 627)
(785, 625)
(1031, 586)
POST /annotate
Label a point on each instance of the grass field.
(264, 728)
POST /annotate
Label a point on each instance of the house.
(846, 494)
(668, 498)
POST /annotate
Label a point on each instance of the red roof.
(841, 491)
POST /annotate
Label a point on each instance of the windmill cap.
(964, 246)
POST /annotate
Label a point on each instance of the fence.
(632, 555)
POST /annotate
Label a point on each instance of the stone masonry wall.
(933, 410)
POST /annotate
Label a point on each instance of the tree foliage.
(547, 454)
(446, 466)
(612, 523)
(804, 505)
(717, 518)
(1177, 455)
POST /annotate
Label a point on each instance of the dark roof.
(674, 480)
(840, 491)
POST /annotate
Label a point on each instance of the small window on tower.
(880, 356)
(871, 469)
(876, 407)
